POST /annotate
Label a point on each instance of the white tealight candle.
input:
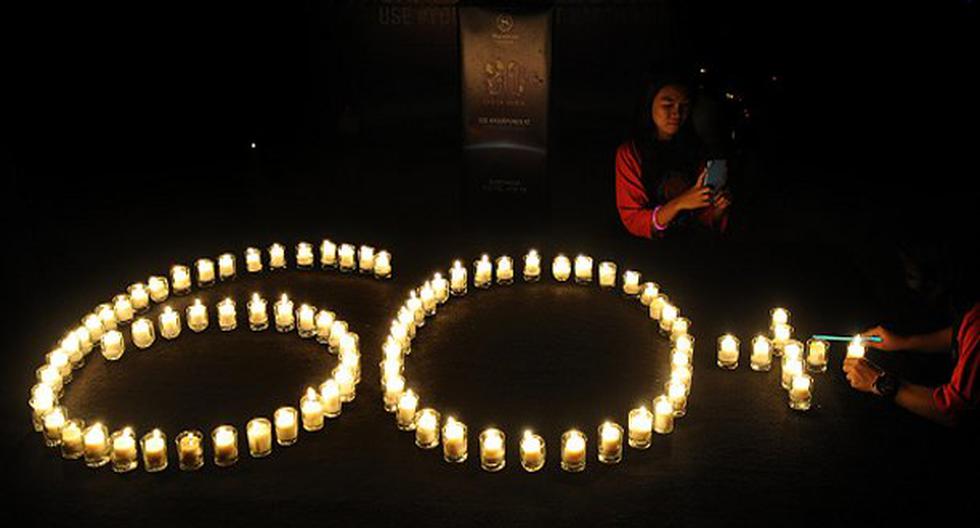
(142, 332)
(684, 343)
(330, 397)
(640, 428)
(532, 452)
(287, 426)
(225, 440)
(52, 423)
(761, 359)
(227, 319)
(226, 266)
(414, 304)
(154, 446)
(779, 316)
(50, 376)
(855, 349)
(657, 305)
(405, 413)
(169, 323)
(668, 314)
(492, 449)
(72, 439)
(781, 333)
(42, 400)
(427, 428)
(394, 386)
(304, 255)
(253, 260)
(791, 367)
(312, 410)
(482, 272)
(346, 383)
(428, 297)
(649, 292)
(284, 316)
(800, 392)
(382, 265)
(96, 445)
(454, 440)
(607, 274)
(505, 270)
(532, 266)
(793, 349)
(680, 327)
(159, 289)
(816, 357)
(728, 352)
(93, 324)
(346, 255)
(573, 444)
(107, 316)
(677, 396)
(338, 329)
(190, 450)
(561, 268)
(59, 360)
(113, 345)
(180, 279)
(440, 286)
(663, 415)
(277, 256)
(324, 319)
(631, 283)
(365, 259)
(258, 431)
(306, 321)
(610, 443)
(583, 269)
(328, 254)
(457, 279)
(139, 296)
(122, 308)
(258, 317)
(72, 347)
(205, 272)
(123, 457)
(197, 316)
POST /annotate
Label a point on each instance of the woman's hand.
(890, 342)
(697, 197)
(861, 374)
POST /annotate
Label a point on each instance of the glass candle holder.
(72, 439)
(573, 445)
(393, 386)
(154, 446)
(338, 329)
(405, 413)
(197, 316)
(631, 284)
(801, 392)
(657, 305)
(304, 255)
(816, 355)
(306, 321)
(258, 315)
(205, 272)
(169, 323)
(346, 383)
(180, 280)
(347, 258)
(457, 279)
(287, 425)
(158, 287)
(52, 423)
(227, 266)
(382, 265)
(259, 434)
(143, 334)
(792, 366)
(427, 296)
(640, 428)
(284, 316)
(414, 305)
(253, 260)
(365, 259)
(681, 326)
(427, 428)
(583, 269)
(648, 293)
(607, 274)
(190, 450)
(107, 316)
(123, 307)
(532, 266)
(311, 410)
(324, 318)
(778, 316)
(328, 254)
(761, 358)
(277, 257)
(793, 349)
(227, 316)
(225, 441)
(855, 349)
(728, 352)
(454, 441)
(49, 375)
(139, 296)
(124, 457)
(610, 436)
(43, 400)
(561, 268)
(504, 266)
(330, 398)
(440, 286)
(97, 449)
(59, 360)
(113, 345)
(668, 314)
(483, 272)
(533, 452)
(676, 392)
(781, 333)
(93, 324)
(683, 343)
(663, 415)
(492, 449)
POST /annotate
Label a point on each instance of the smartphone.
(717, 174)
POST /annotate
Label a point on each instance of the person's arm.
(632, 201)
(918, 399)
(938, 341)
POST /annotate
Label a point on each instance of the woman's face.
(670, 109)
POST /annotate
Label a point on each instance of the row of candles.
(431, 429)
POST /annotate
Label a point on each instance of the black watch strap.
(886, 386)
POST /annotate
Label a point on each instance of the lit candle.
(392, 349)
(532, 452)
(338, 329)
(781, 333)
(800, 394)
(93, 324)
(680, 327)
(640, 428)
(492, 450)
(123, 308)
(454, 440)
(482, 272)
(663, 415)
(96, 449)
(226, 266)
(72, 439)
(71, 345)
(631, 283)
(52, 423)
(457, 279)
(324, 319)
(328, 254)
(42, 401)
(306, 321)
(573, 444)
(583, 269)
(330, 398)
(143, 334)
(84, 341)
(346, 255)
(816, 357)
(180, 279)
(205, 272)
(258, 317)
(59, 360)
(113, 345)
(855, 349)
(159, 289)
(365, 257)
(253, 260)
(607, 274)
(285, 319)
(414, 304)
(399, 333)
(311, 410)
(123, 455)
(154, 446)
(649, 292)
(190, 450)
(441, 288)
(394, 386)
(345, 382)
(277, 256)
(197, 316)
(225, 440)
(680, 358)
(668, 314)
(382, 265)
(226, 315)
(304, 255)
(683, 375)
(677, 396)
(428, 297)
(287, 427)
(407, 319)
(728, 352)
(532, 266)
(49, 375)
(405, 415)
(258, 431)
(779, 316)
(657, 305)
(561, 268)
(793, 349)
(427, 428)
(610, 443)
(792, 366)
(107, 316)
(684, 343)
(505, 270)
(761, 359)
(139, 296)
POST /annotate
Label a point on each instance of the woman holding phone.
(663, 180)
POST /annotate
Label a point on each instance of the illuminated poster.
(506, 60)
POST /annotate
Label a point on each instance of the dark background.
(127, 140)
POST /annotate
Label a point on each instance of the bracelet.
(656, 225)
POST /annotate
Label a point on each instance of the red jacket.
(959, 397)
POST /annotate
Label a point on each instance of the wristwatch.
(886, 386)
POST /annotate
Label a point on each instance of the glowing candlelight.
(113, 345)
(668, 314)
(405, 414)
(366, 259)
(640, 428)
(287, 426)
(855, 349)
(226, 266)
(505, 270)
(492, 449)
(154, 446)
(663, 415)
(304, 255)
(253, 260)
(800, 392)
(180, 279)
(457, 279)
(312, 410)
(607, 274)
(657, 305)
(561, 268)
(306, 321)
(583, 269)
(72, 439)
(532, 266)
(573, 444)
(142, 333)
(454, 440)
(225, 440)
(382, 265)
(532, 452)
(328, 254)
(427, 428)
(482, 272)
(227, 319)
(649, 292)
(441, 288)
(346, 255)
(96, 445)
(284, 316)
(277, 257)
(159, 289)
(123, 455)
(123, 308)
(190, 450)
(761, 358)
(610, 443)
(631, 284)
(205, 272)
(816, 357)
(258, 431)
(139, 296)
(258, 317)
(324, 320)
(330, 397)
(728, 352)
(197, 316)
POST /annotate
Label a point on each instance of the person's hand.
(697, 197)
(720, 203)
(890, 342)
(861, 373)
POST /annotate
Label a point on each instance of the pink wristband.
(656, 225)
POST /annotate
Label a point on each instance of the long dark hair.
(685, 147)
